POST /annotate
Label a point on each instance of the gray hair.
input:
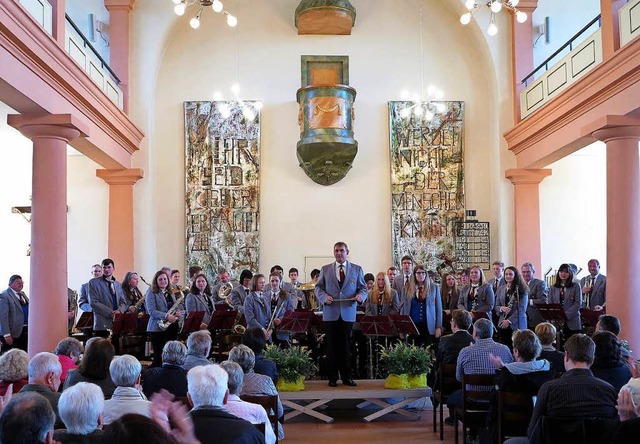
(125, 370)
(207, 385)
(26, 418)
(42, 364)
(236, 376)
(244, 356)
(80, 407)
(13, 365)
(69, 346)
(530, 265)
(174, 352)
(483, 328)
(199, 342)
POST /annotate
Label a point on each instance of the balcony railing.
(629, 21)
(82, 51)
(41, 11)
(580, 60)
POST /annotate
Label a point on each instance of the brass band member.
(382, 300)
(422, 302)
(200, 299)
(257, 308)
(449, 292)
(511, 305)
(132, 294)
(478, 296)
(568, 293)
(159, 301)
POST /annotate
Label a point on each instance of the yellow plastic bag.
(398, 382)
(418, 381)
(284, 386)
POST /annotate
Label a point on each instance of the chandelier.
(495, 6)
(217, 6)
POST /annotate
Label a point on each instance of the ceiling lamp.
(495, 6)
(216, 5)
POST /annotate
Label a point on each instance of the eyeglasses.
(421, 272)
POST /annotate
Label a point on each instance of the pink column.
(59, 21)
(48, 307)
(526, 184)
(521, 51)
(119, 11)
(610, 26)
(622, 134)
(121, 216)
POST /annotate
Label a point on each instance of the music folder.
(85, 320)
(404, 324)
(296, 321)
(124, 323)
(222, 320)
(552, 312)
(193, 322)
(376, 325)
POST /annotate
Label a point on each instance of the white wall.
(567, 17)
(573, 202)
(300, 218)
(87, 199)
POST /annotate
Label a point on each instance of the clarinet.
(513, 298)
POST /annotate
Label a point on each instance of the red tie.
(420, 294)
(342, 275)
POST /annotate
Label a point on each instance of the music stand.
(590, 317)
(85, 321)
(222, 320)
(554, 313)
(480, 315)
(296, 321)
(124, 323)
(222, 306)
(141, 324)
(374, 327)
(404, 325)
(193, 322)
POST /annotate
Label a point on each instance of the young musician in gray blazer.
(200, 299)
(511, 305)
(159, 300)
(106, 298)
(423, 304)
(572, 297)
(594, 287)
(83, 300)
(538, 294)
(405, 274)
(12, 316)
(338, 281)
(257, 309)
(382, 300)
(483, 300)
(241, 291)
(280, 302)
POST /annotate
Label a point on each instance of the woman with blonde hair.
(478, 296)
(421, 301)
(382, 300)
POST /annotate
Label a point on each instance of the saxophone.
(163, 323)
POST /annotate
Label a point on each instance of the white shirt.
(344, 264)
(253, 413)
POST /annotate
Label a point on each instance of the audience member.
(171, 376)
(255, 384)
(13, 370)
(546, 333)
(213, 424)
(253, 413)
(450, 345)
(94, 367)
(44, 379)
(198, 349)
(27, 419)
(608, 363)
(68, 351)
(254, 339)
(127, 398)
(80, 408)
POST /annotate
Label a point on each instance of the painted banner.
(222, 187)
(427, 180)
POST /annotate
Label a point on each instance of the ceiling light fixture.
(216, 5)
(495, 6)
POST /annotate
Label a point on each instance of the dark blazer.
(450, 346)
(214, 425)
(102, 303)
(65, 437)
(555, 358)
(52, 397)
(172, 378)
(617, 375)
(450, 302)
(106, 384)
(267, 367)
(11, 314)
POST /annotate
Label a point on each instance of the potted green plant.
(396, 359)
(294, 365)
(419, 365)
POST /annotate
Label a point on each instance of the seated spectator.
(609, 364)
(450, 345)
(576, 394)
(213, 424)
(69, 351)
(94, 367)
(13, 370)
(27, 418)
(253, 413)
(171, 376)
(546, 332)
(629, 428)
(254, 339)
(474, 359)
(127, 398)
(44, 379)
(81, 411)
(253, 383)
(198, 349)
(611, 324)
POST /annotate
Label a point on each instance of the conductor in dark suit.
(340, 286)
(212, 422)
(14, 312)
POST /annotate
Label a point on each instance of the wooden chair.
(559, 430)
(270, 404)
(514, 414)
(476, 390)
(446, 384)
(261, 428)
